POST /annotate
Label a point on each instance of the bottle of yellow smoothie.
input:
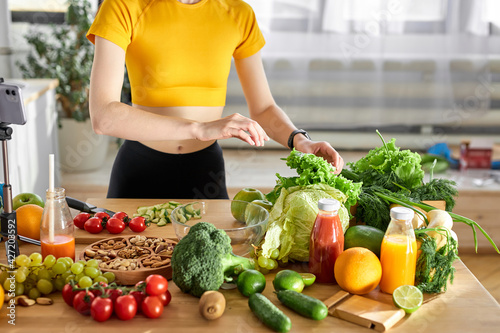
(398, 253)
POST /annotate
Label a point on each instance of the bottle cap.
(328, 205)
(402, 213)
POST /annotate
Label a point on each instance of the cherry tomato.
(137, 224)
(152, 307)
(122, 216)
(115, 226)
(113, 294)
(102, 215)
(93, 225)
(82, 302)
(80, 219)
(68, 294)
(156, 285)
(139, 297)
(125, 307)
(165, 298)
(98, 292)
(101, 309)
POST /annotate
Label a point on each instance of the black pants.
(142, 172)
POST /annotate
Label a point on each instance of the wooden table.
(465, 307)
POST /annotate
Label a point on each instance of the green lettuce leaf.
(390, 167)
(292, 219)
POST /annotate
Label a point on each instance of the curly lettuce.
(312, 170)
(390, 167)
(292, 218)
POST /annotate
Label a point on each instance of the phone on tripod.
(11, 104)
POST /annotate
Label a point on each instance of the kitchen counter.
(465, 307)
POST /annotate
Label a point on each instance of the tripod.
(8, 216)
(8, 221)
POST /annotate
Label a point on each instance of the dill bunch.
(435, 268)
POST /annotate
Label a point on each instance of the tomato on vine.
(165, 298)
(83, 301)
(101, 308)
(68, 294)
(152, 307)
(126, 307)
(156, 285)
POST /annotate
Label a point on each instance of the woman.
(178, 55)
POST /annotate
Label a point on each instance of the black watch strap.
(293, 134)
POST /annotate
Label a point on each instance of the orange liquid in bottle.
(398, 256)
(63, 246)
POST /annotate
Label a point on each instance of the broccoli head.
(203, 260)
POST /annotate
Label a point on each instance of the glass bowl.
(244, 232)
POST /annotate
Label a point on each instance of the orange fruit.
(2, 295)
(29, 218)
(358, 270)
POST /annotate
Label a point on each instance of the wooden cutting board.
(130, 207)
(363, 311)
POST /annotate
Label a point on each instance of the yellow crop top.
(179, 54)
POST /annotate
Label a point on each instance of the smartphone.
(11, 105)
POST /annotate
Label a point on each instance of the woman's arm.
(111, 117)
(272, 118)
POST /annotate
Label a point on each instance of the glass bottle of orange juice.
(59, 239)
(398, 253)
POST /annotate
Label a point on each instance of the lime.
(364, 236)
(250, 282)
(408, 298)
(288, 280)
(308, 278)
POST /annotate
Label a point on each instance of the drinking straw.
(51, 198)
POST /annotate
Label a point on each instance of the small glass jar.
(60, 241)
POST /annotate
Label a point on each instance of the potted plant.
(65, 54)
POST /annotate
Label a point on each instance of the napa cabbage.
(292, 218)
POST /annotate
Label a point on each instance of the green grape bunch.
(35, 276)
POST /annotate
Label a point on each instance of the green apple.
(247, 194)
(27, 198)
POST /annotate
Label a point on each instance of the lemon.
(288, 280)
(408, 298)
(308, 278)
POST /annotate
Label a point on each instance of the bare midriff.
(198, 113)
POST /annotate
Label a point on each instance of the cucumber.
(268, 313)
(304, 305)
(160, 213)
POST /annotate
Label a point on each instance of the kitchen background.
(423, 72)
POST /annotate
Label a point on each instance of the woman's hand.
(233, 126)
(321, 149)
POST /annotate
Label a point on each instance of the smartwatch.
(293, 134)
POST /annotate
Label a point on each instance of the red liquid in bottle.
(326, 244)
